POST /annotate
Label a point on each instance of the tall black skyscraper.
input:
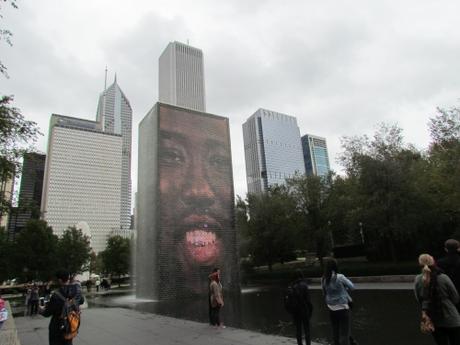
(30, 193)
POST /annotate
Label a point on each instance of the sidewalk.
(118, 326)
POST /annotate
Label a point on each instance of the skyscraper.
(30, 192)
(315, 155)
(82, 178)
(115, 115)
(272, 148)
(181, 77)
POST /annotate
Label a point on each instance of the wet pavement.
(119, 326)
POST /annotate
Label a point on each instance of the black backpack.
(291, 299)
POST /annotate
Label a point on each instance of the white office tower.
(82, 178)
(115, 115)
(181, 77)
(272, 148)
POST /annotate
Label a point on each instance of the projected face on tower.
(196, 197)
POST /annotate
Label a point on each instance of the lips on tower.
(185, 203)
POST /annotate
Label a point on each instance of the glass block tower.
(181, 77)
(272, 148)
(115, 115)
(315, 155)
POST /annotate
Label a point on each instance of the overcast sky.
(340, 67)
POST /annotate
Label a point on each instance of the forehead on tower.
(191, 123)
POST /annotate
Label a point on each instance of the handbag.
(426, 325)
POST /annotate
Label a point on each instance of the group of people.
(336, 290)
(98, 283)
(34, 293)
(436, 290)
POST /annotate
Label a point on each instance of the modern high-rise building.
(115, 115)
(30, 192)
(272, 148)
(82, 182)
(181, 77)
(315, 155)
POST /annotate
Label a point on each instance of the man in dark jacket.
(303, 310)
(450, 264)
(54, 308)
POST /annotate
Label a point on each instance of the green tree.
(311, 194)
(6, 36)
(74, 251)
(116, 257)
(384, 172)
(17, 136)
(95, 265)
(34, 256)
(268, 223)
(442, 183)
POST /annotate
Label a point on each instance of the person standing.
(335, 288)
(450, 264)
(54, 308)
(34, 299)
(300, 308)
(216, 299)
(437, 297)
(209, 294)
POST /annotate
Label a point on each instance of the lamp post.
(361, 232)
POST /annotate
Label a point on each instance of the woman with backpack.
(335, 288)
(437, 297)
(64, 300)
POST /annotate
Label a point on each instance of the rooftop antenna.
(105, 80)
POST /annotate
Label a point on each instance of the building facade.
(181, 77)
(30, 192)
(82, 180)
(272, 148)
(315, 155)
(6, 193)
(115, 115)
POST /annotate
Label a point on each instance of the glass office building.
(315, 155)
(272, 148)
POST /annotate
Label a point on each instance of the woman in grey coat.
(437, 297)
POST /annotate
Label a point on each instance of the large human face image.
(196, 194)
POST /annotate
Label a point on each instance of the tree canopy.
(394, 199)
(116, 258)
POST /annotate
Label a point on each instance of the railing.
(8, 331)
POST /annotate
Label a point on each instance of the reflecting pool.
(380, 317)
